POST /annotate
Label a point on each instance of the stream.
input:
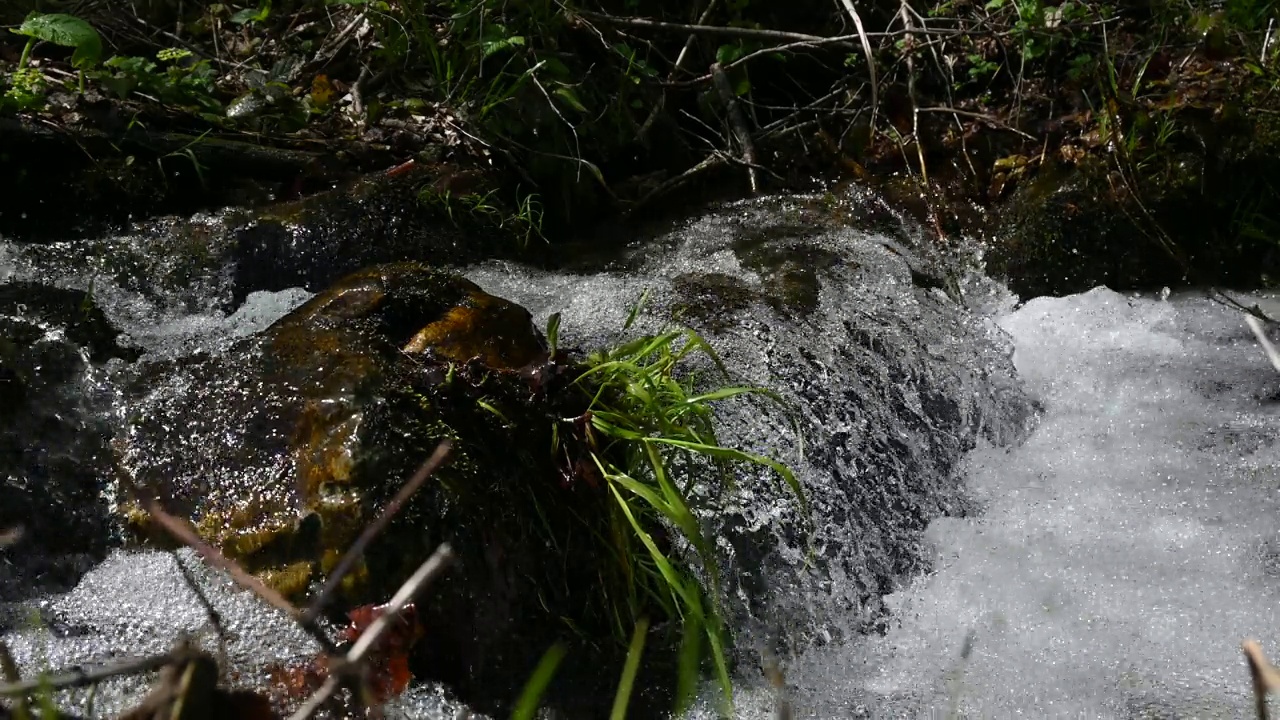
(1058, 508)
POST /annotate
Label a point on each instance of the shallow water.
(1107, 566)
(1122, 553)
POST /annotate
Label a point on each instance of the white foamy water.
(1124, 551)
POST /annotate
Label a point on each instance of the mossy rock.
(283, 448)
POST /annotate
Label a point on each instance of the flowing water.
(1089, 536)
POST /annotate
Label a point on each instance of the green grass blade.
(629, 671)
(531, 696)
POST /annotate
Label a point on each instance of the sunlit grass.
(653, 439)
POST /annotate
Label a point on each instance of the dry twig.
(349, 667)
(187, 535)
(738, 124)
(357, 548)
(1266, 679)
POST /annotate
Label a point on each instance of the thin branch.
(214, 617)
(708, 162)
(341, 671)
(684, 53)
(737, 124)
(758, 33)
(871, 62)
(184, 533)
(371, 531)
(79, 677)
(980, 116)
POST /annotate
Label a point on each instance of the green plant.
(65, 30)
(653, 439)
(26, 89)
(178, 80)
(525, 221)
(26, 85)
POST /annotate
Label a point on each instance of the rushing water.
(1105, 560)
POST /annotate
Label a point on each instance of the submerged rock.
(53, 436)
(214, 261)
(284, 447)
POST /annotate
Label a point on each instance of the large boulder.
(282, 448)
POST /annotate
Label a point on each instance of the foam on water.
(1123, 552)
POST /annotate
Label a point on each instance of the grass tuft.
(653, 439)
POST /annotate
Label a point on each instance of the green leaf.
(67, 31)
(635, 310)
(553, 332)
(531, 697)
(726, 54)
(497, 45)
(629, 671)
(253, 15)
(572, 100)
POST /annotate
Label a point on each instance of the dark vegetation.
(1131, 143)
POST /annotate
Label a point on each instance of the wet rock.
(213, 261)
(282, 448)
(1066, 231)
(886, 382)
(53, 437)
(386, 217)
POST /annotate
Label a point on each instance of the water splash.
(1122, 553)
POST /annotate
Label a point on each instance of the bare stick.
(871, 61)
(738, 124)
(911, 92)
(188, 536)
(371, 531)
(215, 618)
(434, 566)
(81, 678)
(1265, 676)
